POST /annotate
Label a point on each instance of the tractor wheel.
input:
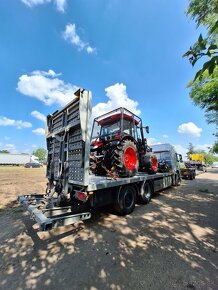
(125, 159)
(151, 163)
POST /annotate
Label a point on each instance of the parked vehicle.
(167, 159)
(187, 171)
(215, 165)
(16, 159)
(170, 161)
(33, 165)
(73, 191)
(198, 161)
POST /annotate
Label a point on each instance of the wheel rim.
(128, 199)
(130, 158)
(147, 191)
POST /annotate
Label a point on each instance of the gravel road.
(171, 243)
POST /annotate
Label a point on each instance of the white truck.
(167, 154)
(73, 191)
(17, 159)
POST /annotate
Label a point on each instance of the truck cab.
(168, 159)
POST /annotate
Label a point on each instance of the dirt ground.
(170, 243)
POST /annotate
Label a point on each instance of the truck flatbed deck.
(101, 182)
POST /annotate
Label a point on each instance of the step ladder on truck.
(74, 186)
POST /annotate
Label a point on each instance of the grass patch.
(205, 190)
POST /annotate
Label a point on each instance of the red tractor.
(119, 147)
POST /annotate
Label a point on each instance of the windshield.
(105, 130)
(162, 156)
(110, 129)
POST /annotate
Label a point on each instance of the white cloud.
(165, 136)
(181, 150)
(4, 121)
(205, 147)
(90, 50)
(71, 35)
(46, 87)
(34, 146)
(39, 131)
(60, 4)
(49, 73)
(117, 98)
(151, 141)
(189, 129)
(10, 147)
(38, 116)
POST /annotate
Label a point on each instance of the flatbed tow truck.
(68, 142)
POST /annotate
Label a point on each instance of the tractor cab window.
(128, 127)
(110, 129)
(138, 133)
(96, 130)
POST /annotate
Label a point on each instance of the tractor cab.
(116, 125)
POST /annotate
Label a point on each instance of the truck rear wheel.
(125, 200)
(145, 193)
(125, 159)
(176, 180)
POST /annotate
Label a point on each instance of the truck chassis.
(101, 191)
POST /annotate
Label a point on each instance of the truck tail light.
(81, 195)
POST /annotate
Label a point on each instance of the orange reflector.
(91, 192)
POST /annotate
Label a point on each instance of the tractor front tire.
(125, 159)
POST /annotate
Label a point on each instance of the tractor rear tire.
(125, 159)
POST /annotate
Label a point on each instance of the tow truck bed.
(48, 218)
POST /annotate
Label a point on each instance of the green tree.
(204, 92)
(191, 149)
(41, 153)
(4, 151)
(209, 157)
(215, 148)
(204, 13)
(204, 87)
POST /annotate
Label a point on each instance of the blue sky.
(127, 52)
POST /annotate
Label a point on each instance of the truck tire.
(176, 180)
(145, 193)
(125, 200)
(125, 159)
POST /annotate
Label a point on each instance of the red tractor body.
(118, 145)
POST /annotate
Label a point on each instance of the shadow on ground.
(169, 244)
